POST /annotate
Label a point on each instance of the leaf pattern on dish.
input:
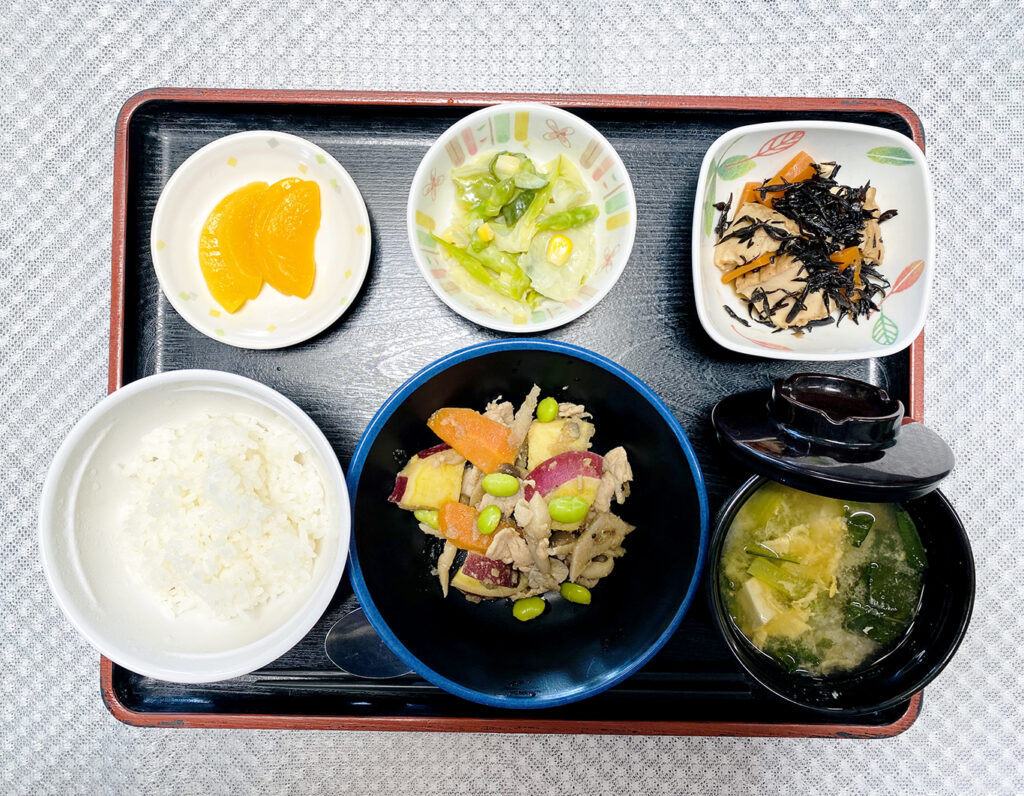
(735, 167)
(774, 346)
(779, 143)
(709, 200)
(891, 156)
(885, 331)
(907, 277)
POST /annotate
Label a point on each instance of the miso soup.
(823, 586)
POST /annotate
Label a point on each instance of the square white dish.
(893, 163)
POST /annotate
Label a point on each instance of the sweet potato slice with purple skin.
(552, 473)
(485, 577)
(428, 481)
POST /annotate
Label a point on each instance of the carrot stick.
(846, 257)
(748, 194)
(753, 265)
(800, 168)
(457, 522)
(481, 440)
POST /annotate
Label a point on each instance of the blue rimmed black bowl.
(479, 651)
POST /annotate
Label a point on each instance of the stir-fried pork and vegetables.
(522, 504)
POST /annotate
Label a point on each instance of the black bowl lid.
(833, 436)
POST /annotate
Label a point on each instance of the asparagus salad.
(522, 233)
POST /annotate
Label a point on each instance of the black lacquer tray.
(648, 323)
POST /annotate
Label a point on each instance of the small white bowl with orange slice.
(260, 240)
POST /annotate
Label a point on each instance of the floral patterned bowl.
(894, 165)
(542, 132)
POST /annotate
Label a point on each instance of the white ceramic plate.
(895, 166)
(543, 133)
(271, 320)
(81, 522)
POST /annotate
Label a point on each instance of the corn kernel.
(506, 166)
(485, 233)
(559, 249)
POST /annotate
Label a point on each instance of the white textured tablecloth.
(65, 70)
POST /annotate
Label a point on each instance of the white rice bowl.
(194, 525)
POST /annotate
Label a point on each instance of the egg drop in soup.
(823, 586)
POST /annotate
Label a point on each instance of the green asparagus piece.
(507, 284)
(569, 219)
(507, 268)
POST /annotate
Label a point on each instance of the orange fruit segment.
(284, 228)
(226, 258)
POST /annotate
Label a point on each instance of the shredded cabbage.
(497, 246)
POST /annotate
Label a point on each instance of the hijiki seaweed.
(830, 217)
(732, 314)
(723, 208)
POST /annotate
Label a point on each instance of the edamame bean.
(488, 520)
(575, 593)
(568, 509)
(427, 516)
(547, 410)
(528, 608)
(500, 484)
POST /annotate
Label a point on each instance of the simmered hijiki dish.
(802, 249)
(823, 586)
(522, 232)
(522, 504)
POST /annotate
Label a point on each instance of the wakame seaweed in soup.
(823, 586)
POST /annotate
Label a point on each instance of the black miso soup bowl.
(947, 600)
(480, 651)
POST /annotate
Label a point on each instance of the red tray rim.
(515, 724)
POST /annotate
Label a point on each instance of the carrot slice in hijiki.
(748, 194)
(844, 258)
(753, 265)
(800, 168)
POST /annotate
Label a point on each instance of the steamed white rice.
(226, 513)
